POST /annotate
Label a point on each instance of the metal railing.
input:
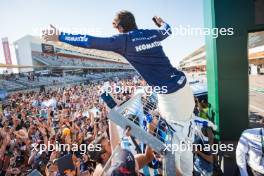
(131, 113)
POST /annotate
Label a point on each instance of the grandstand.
(10, 85)
(75, 62)
(196, 61)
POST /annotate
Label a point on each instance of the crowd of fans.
(71, 115)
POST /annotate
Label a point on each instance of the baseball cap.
(123, 164)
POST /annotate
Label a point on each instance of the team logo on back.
(147, 46)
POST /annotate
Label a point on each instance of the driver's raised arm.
(115, 43)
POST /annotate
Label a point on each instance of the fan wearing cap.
(108, 148)
(123, 164)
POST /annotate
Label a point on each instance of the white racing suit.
(177, 109)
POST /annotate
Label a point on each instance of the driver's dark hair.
(126, 20)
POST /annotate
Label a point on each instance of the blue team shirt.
(142, 49)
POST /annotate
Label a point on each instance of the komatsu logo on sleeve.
(77, 39)
(147, 46)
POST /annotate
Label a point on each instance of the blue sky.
(19, 18)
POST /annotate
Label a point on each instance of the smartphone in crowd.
(110, 102)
